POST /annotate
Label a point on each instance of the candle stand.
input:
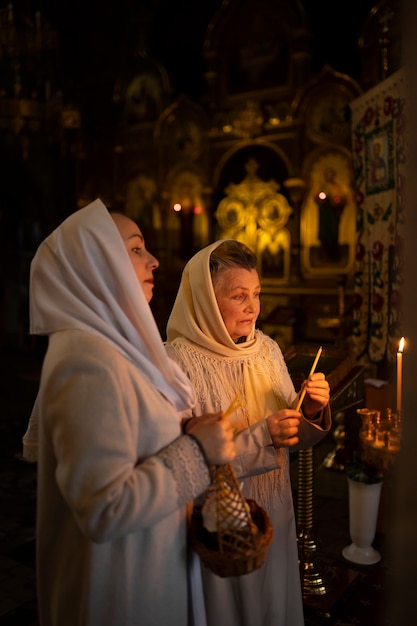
(380, 437)
(322, 584)
(312, 581)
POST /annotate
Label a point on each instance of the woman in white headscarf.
(114, 470)
(211, 334)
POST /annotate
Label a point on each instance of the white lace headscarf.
(219, 367)
(82, 278)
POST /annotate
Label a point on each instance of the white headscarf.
(220, 368)
(82, 278)
(196, 315)
(217, 362)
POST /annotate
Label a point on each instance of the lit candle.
(400, 374)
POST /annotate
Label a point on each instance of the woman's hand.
(317, 395)
(215, 436)
(283, 428)
(192, 422)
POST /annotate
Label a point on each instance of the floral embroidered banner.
(378, 137)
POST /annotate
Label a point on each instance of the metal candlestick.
(312, 581)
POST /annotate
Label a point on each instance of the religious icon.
(143, 99)
(379, 161)
(187, 219)
(328, 217)
(331, 200)
(378, 170)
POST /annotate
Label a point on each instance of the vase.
(363, 514)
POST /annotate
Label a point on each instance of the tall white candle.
(400, 374)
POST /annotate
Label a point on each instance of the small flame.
(401, 345)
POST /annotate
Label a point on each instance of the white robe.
(114, 472)
(111, 531)
(271, 595)
(198, 340)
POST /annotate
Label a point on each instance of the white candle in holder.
(400, 374)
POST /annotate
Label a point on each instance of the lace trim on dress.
(191, 474)
(216, 379)
(268, 489)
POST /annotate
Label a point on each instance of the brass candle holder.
(380, 437)
(312, 581)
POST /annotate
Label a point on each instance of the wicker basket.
(244, 530)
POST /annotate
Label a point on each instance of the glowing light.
(400, 374)
(198, 210)
(177, 207)
(401, 345)
(322, 195)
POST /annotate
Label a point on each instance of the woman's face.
(143, 262)
(238, 297)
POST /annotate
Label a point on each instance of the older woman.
(211, 334)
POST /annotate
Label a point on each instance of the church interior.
(283, 124)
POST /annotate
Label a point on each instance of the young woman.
(114, 470)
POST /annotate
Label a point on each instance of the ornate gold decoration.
(255, 213)
(245, 121)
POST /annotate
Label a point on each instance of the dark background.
(95, 37)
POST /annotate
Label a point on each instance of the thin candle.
(304, 389)
(400, 374)
(234, 405)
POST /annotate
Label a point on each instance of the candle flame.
(401, 345)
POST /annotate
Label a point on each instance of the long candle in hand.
(400, 374)
(304, 389)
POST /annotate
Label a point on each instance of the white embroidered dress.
(218, 368)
